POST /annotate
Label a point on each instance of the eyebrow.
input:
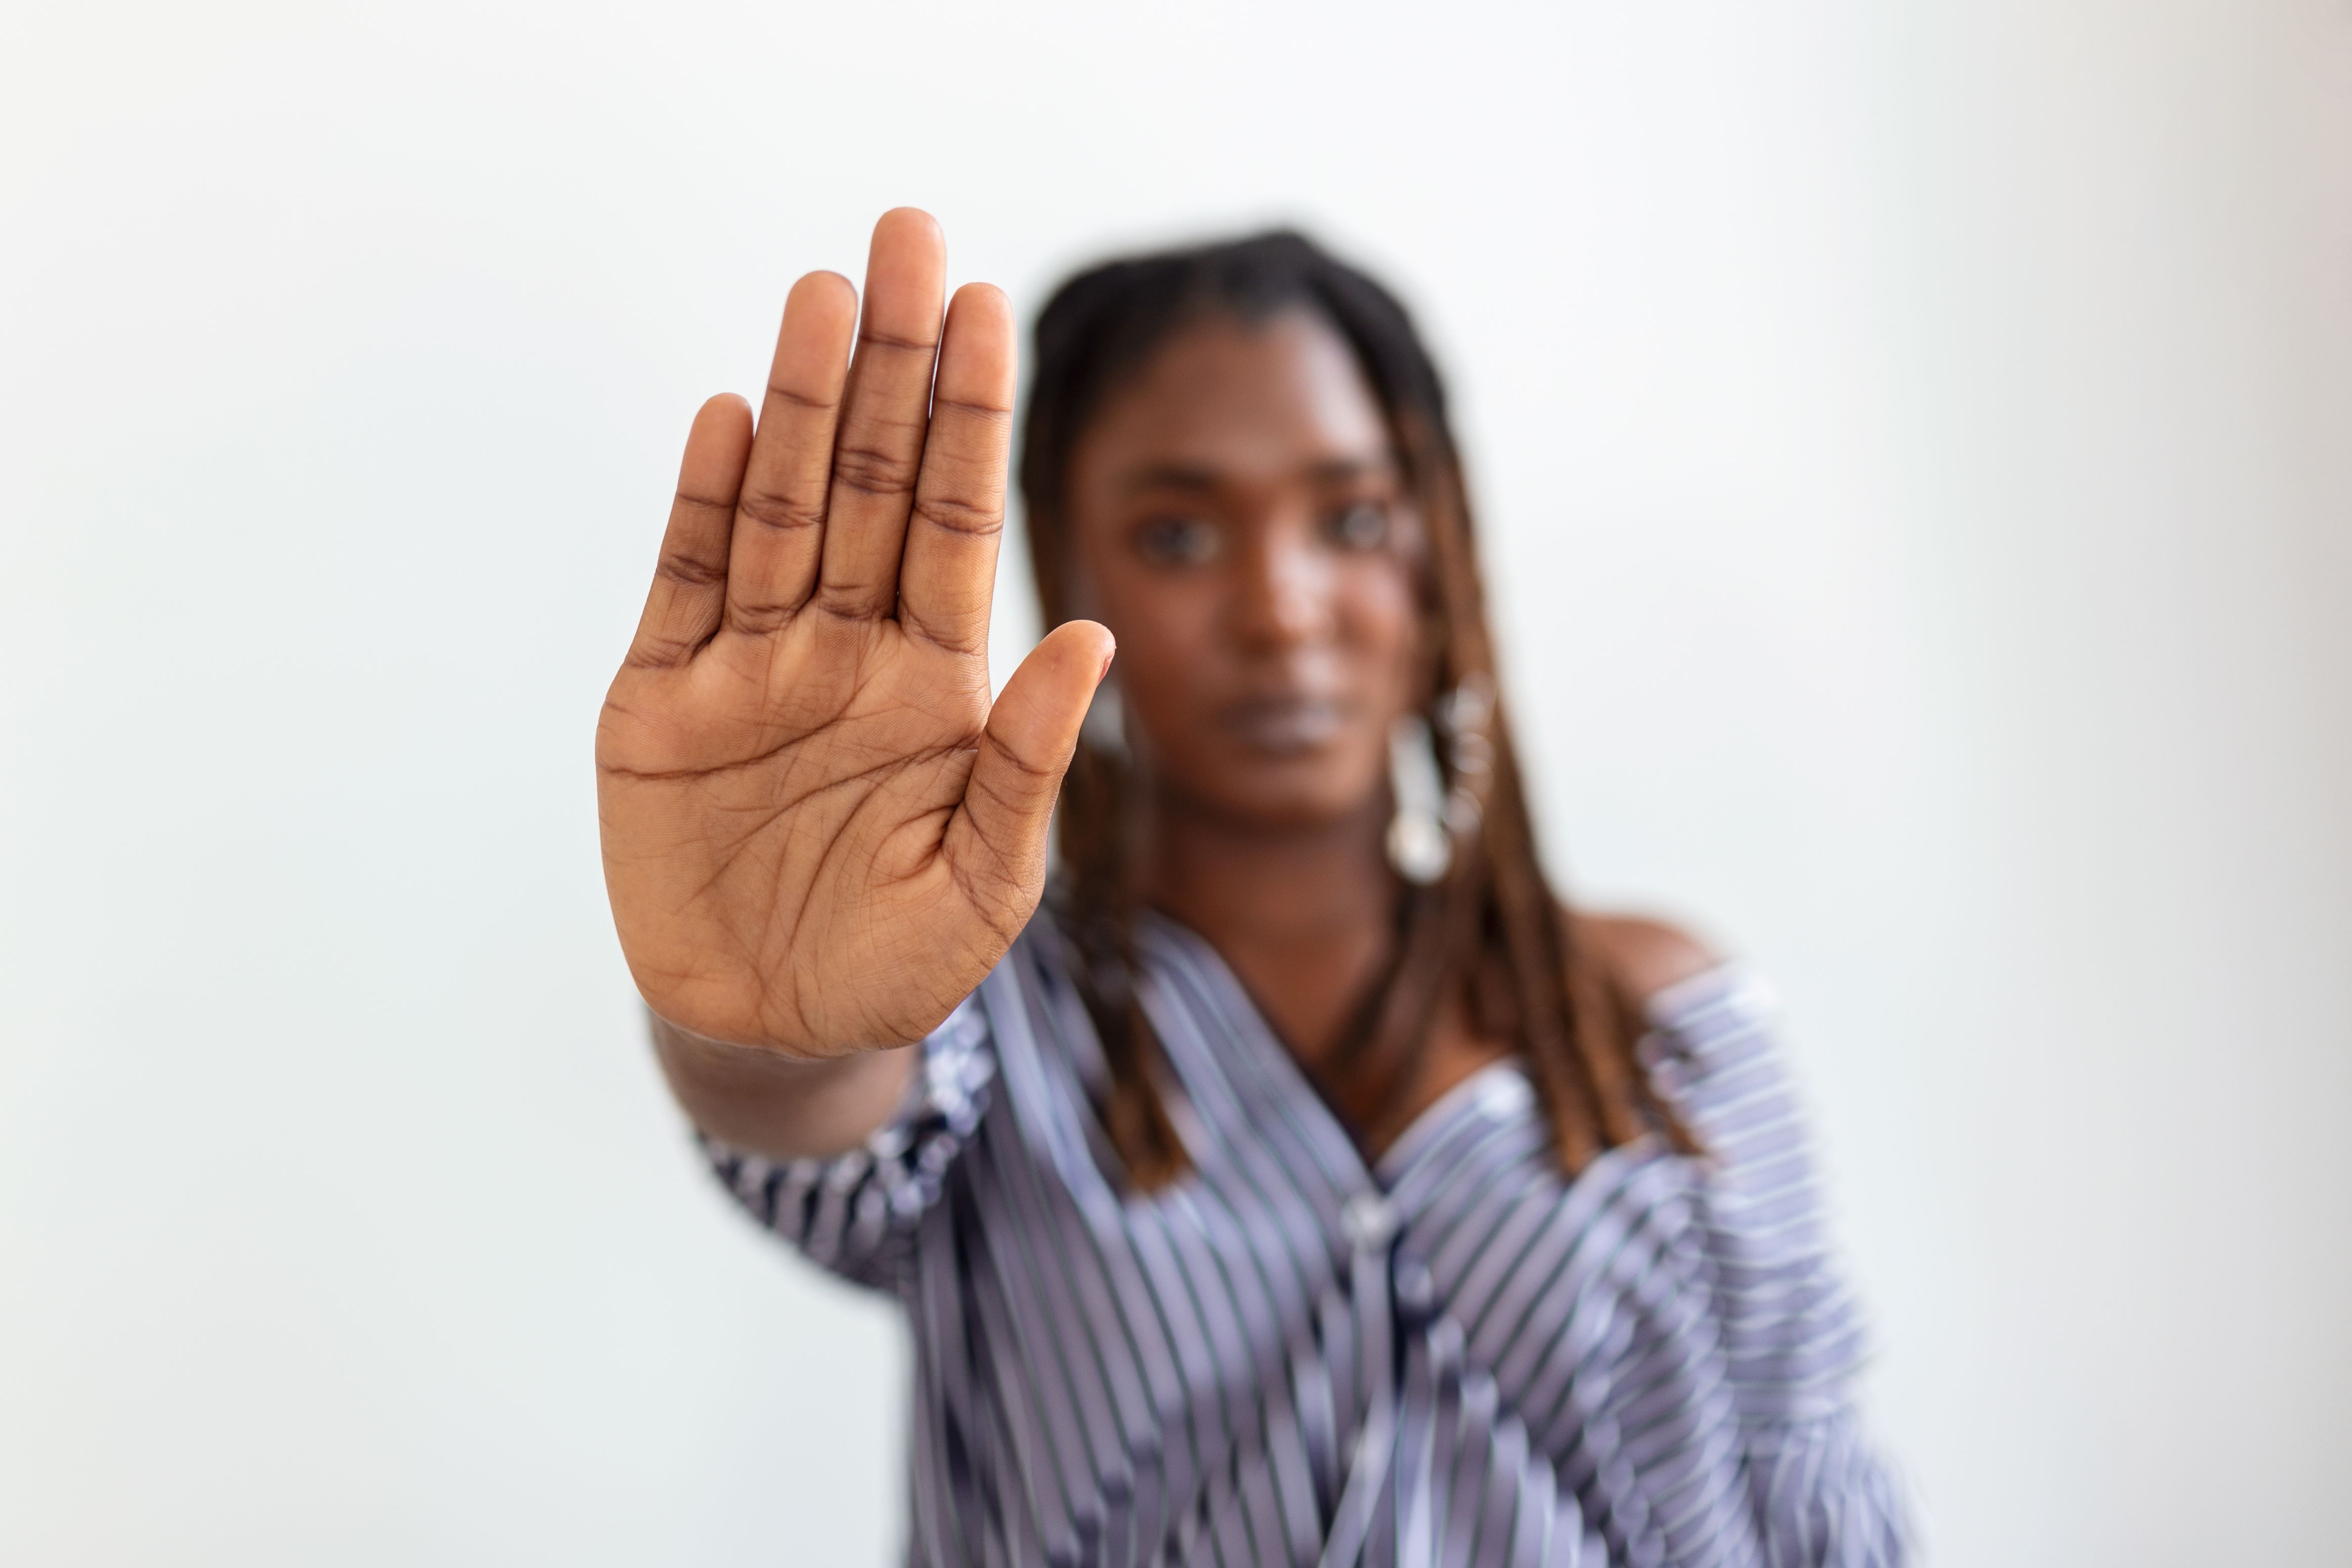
(1191, 477)
(1170, 476)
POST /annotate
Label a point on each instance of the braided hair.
(1489, 924)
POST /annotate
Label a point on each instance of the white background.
(1912, 443)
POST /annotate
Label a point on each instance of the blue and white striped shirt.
(1451, 1355)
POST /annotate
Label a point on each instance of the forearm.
(761, 1102)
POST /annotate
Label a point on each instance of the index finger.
(949, 573)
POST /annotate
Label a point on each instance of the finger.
(949, 571)
(690, 580)
(779, 516)
(884, 414)
(996, 841)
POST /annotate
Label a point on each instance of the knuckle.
(950, 633)
(780, 510)
(689, 572)
(688, 501)
(973, 409)
(657, 650)
(844, 601)
(870, 337)
(956, 515)
(759, 620)
(792, 397)
(871, 468)
(1029, 771)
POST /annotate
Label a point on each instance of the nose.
(1282, 597)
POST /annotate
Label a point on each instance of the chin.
(1292, 793)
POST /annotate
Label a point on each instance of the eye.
(1360, 525)
(1178, 542)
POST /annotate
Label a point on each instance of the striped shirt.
(1450, 1355)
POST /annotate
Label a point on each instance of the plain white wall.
(1912, 444)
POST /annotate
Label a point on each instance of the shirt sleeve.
(856, 1213)
(1791, 1334)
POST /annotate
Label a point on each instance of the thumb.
(999, 835)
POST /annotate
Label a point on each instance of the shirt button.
(1416, 1292)
(1368, 1221)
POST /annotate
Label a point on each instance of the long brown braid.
(1491, 922)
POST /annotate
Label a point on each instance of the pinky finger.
(690, 583)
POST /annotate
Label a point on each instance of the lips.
(1284, 726)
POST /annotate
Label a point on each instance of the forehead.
(1245, 400)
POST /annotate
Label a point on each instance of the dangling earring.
(1105, 727)
(1430, 816)
(1419, 845)
(1466, 714)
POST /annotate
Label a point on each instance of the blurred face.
(1243, 528)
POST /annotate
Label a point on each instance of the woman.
(1303, 1184)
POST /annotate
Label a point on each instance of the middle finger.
(879, 450)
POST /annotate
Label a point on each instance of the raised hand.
(818, 834)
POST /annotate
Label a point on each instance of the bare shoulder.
(1647, 955)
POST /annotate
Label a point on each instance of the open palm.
(818, 834)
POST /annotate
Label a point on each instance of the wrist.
(769, 1100)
